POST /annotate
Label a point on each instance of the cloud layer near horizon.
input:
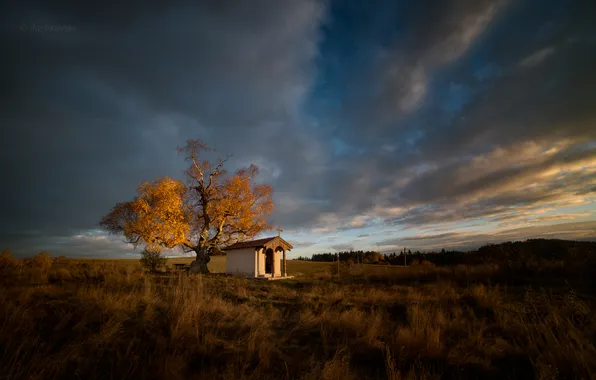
(373, 124)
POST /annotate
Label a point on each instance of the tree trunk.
(199, 265)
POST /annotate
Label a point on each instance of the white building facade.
(262, 258)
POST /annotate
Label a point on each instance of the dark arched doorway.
(269, 261)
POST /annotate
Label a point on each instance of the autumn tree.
(211, 211)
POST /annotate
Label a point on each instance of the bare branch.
(198, 169)
(217, 169)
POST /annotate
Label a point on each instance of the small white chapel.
(261, 258)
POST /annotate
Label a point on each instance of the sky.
(379, 124)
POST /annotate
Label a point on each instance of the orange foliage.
(160, 213)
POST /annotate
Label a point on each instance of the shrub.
(152, 259)
(42, 260)
(6, 260)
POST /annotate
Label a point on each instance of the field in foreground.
(108, 320)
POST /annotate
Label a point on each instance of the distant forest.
(373, 257)
(508, 253)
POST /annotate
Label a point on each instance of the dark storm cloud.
(388, 90)
(540, 90)
(545, 89)
(396, 80)
(554, 100)
(92, 111)
(488, 174)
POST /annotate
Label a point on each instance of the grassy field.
(216, 265)
(110, 319)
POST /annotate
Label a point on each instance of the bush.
(42, 260)
(152, 259)
(6, 260)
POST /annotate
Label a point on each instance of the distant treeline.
(373, 257)
(510, 253)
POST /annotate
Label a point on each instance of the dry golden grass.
(97, 320)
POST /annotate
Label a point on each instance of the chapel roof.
(270, 242)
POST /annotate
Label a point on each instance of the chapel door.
(269, 261)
